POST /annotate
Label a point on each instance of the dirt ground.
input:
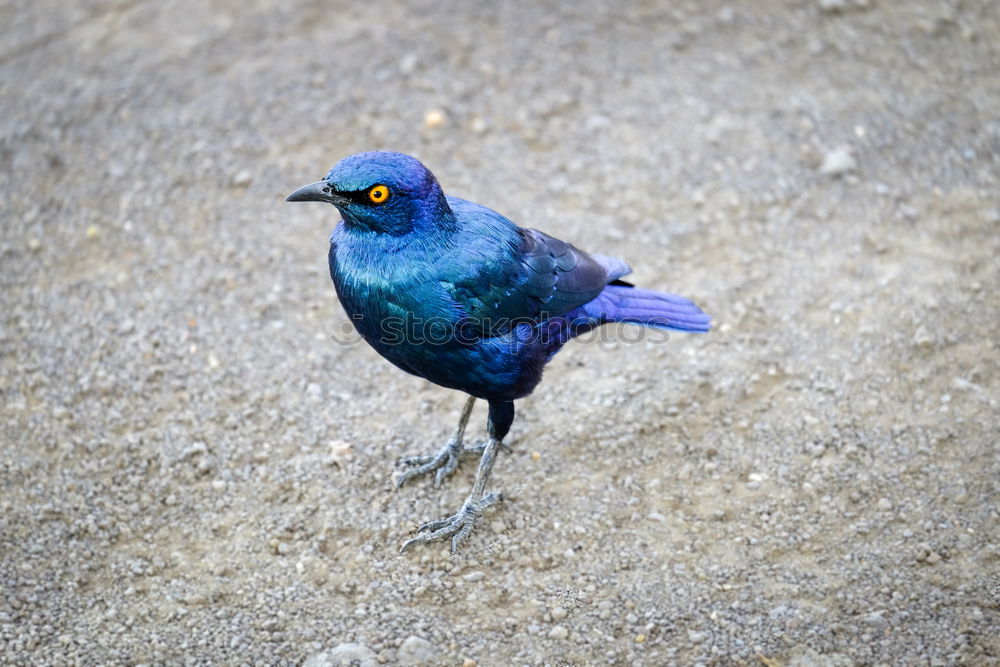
(197, 454)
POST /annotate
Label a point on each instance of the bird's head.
(382, 192)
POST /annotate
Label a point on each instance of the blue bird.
(456, 293)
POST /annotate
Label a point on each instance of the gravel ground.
(197, 454)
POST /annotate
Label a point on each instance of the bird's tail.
(623, 303)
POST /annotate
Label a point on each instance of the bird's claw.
(457, 526)
(443, 463)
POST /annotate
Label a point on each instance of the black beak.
(318, 191)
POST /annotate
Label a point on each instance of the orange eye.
(378, 194)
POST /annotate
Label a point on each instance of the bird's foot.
(457, 526)
(444, 462)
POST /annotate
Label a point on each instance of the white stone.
(349, 653)
(837, 162)
(417, 651)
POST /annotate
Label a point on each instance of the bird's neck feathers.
(431, 212)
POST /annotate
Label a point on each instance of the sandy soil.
(197, 460)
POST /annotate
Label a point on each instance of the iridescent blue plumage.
(458, 294)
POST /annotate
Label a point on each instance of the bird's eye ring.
(378, 194)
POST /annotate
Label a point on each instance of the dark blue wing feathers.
(532, 277)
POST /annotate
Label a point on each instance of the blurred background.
(194, 470)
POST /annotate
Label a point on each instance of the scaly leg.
(459, 525)
(446, 460)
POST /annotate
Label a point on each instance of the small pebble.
(697, 637)
(434, 118)
(408, 63)
(341, 452)
(242, 178)
(349, 653)
(876, 621)
(832, 6)
(838, 162)
(417, 651)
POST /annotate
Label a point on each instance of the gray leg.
(444, 461)
(460, 524)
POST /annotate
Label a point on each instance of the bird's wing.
(559, 276)
(533, 278)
